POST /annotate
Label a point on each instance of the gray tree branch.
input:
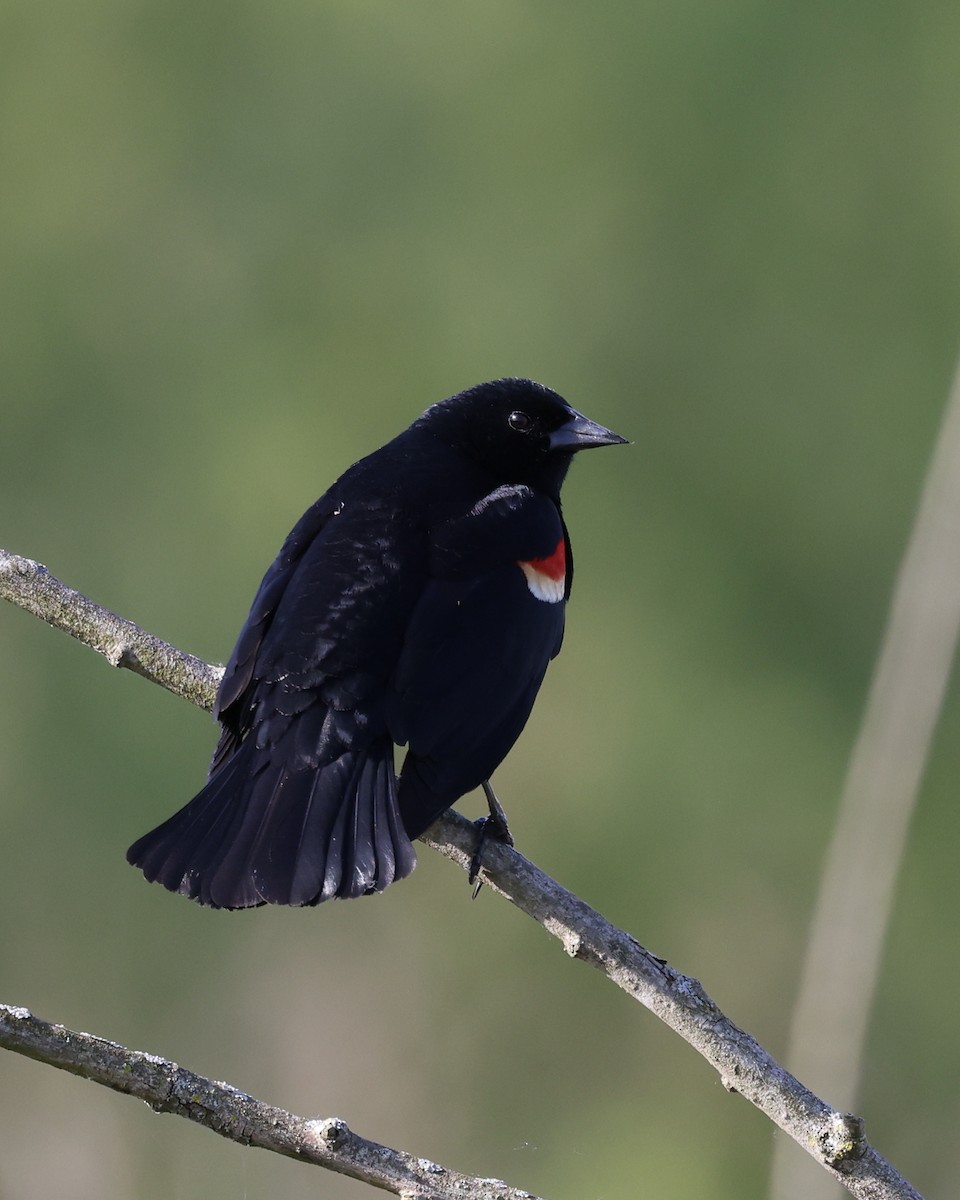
(835, 1139)
(167, 1087)
(31, 586)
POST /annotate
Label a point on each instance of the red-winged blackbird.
(417, 602)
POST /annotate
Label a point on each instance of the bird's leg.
(494, 828)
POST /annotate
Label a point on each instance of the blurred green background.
(240, 246)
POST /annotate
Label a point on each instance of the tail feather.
(283, 836)
(226, 879)
(377, 849)
(168, 853)
(396, 831)
(297, 851)
(394, 851)
(358, 872)
(316, 850)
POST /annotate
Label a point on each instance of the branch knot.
(842, 1141)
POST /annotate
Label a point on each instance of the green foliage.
(242, 244)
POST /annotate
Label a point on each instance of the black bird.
(418, 602)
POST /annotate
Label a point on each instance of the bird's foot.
(491, 828)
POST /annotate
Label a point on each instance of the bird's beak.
(579, 433)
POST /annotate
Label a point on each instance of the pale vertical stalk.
(860, 871)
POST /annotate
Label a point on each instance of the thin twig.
(167, 1087)
(835, 1139)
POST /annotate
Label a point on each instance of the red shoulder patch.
(546, 577)
(555, 564)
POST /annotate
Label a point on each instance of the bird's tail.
(262, 833)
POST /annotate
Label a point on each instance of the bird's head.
(518, 430)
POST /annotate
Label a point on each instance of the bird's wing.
(233, 704)
(326, 625)
(477, 646)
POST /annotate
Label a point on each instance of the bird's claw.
(492, 828)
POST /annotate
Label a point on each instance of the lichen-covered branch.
(167, 1087)
(836, 1140)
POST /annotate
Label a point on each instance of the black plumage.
(418, 602)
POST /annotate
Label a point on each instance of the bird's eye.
(520, 421)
